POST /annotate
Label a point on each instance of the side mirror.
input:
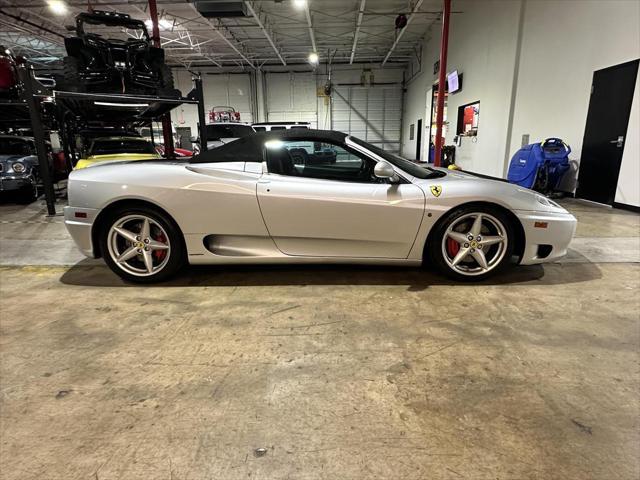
(385, 170)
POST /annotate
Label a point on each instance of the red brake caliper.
(452, 247)
(160, 254)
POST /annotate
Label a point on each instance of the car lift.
(73, 110)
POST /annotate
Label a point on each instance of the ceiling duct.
(218, 9)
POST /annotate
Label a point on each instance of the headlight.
(543, 200)
(548, 202)
(18, 167)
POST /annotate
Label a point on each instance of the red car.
(9, 82)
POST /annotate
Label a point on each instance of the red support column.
(444, 46)
(167, 133)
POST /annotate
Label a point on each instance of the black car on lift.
(112, 53)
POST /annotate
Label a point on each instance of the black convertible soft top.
(249, 149)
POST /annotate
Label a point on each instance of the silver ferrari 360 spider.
(307, 196)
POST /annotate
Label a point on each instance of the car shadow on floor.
(87, 273)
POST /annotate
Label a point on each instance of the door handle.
(619, 141)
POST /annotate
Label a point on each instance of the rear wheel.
(472, 243)
(142, 245)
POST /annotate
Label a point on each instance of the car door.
(331, 205)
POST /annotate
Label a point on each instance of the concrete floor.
(336, 372)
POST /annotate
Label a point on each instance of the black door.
(606, 132)
(419, 140)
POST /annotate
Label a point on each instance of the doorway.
(419, 141)
(432, 118)
(606, 131)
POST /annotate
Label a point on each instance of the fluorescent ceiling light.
(300, 3)
(313, 58)
(128, 105)
(57, 6)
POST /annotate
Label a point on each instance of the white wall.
(417, 98)
(219, 89)
(562, 43)
(481, 46)
(350, 74)
(628, 191)
(291, 97)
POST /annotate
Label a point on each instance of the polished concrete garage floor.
(320, 372)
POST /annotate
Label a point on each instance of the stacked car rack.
(69, 113)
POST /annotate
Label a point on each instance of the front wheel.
(472, 243)
(142, 245)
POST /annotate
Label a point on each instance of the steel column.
(201, 118)
(166, 118)
(444, 46)
(26, 75)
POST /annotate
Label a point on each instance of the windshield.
(16, 146)
(116, 33)
(408, 166)
(113, 146)
(218, 131)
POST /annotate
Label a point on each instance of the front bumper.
(11, 183)
(79, 223)
(547, 235)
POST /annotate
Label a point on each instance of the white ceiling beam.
(216, 28)
(265, 31)
(310, 27)
(397, 40)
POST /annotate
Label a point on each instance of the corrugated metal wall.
(229, 90)
(372, 113)
(291, 97)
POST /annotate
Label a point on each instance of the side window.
(320, 160)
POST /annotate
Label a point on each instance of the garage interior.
(349, 371)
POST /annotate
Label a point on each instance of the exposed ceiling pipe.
(355, 36)
(310, 25)
(409, 18)
(31, 24)
(221, 35)
(265, 31)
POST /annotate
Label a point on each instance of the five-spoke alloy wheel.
(141, 245)
(472, 242)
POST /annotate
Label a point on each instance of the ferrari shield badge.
(436, 190)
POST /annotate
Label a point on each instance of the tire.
(496, 244)
(134, 267)
(27, 195)
(71, 80)
(167, 86)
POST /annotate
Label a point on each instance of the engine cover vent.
(217, 9)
